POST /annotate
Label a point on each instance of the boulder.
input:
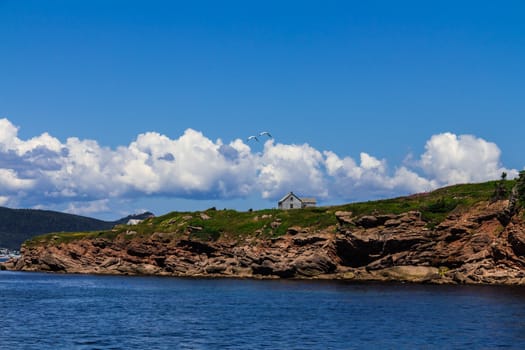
(344, 217)
(215, 269)
(110, 262)
(275, 224)
(313, 265)
(410, 273)
(204, 216)
(371, 221)
(144, 269)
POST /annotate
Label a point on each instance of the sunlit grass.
(212, 224)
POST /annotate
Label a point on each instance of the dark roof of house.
(288, 195)
(304, 200)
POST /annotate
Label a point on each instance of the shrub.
(500, 189)
(520, 187)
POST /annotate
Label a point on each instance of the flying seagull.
(265, 133)
(252, 138)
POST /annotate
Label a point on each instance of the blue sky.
(111, 107)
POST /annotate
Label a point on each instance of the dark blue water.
(41, 311)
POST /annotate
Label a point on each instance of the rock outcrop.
(473, 247)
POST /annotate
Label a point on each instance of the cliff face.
(475, 246)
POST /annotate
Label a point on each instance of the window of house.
(291, 205)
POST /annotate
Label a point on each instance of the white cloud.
(285, 168)
(11, 182)
(83, 177)
(370, 178)
(88, 208)
(8, 133)
(191, 165)
(9, 140)
(448, 159)
(451, 159)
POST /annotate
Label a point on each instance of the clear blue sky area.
(380, 77)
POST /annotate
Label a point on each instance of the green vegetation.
(443, 270)
(212, 224)
(520, 187)
(500, 188)
(209, 225)
(65, 237)
(434, 206)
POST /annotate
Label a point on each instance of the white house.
(292, 201)
(133, 222)
(309, 202)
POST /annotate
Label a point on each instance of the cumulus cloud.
(191, 166)
(451, 159)
(88, 208)
(11, 182)
(370, 178)
(196, 166)
(84, 177)
(290, 167)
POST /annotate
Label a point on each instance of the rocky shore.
(483, 245)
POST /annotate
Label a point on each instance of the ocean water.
(46, 311)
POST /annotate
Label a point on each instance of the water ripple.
(41, 311)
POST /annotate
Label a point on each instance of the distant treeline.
(17, 225)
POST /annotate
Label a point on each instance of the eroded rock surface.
(470, 247)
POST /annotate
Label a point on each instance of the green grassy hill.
(212, 224)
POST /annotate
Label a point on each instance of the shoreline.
(320, 278)
(423, 275)
(471, 247)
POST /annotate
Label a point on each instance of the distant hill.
(17, 225)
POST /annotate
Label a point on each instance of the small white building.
(292, 201)
(133, 222)
(309, 202)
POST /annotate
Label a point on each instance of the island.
(461, 234)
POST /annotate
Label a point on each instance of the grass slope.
(214, 224)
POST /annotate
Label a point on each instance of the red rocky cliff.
(476, 246)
